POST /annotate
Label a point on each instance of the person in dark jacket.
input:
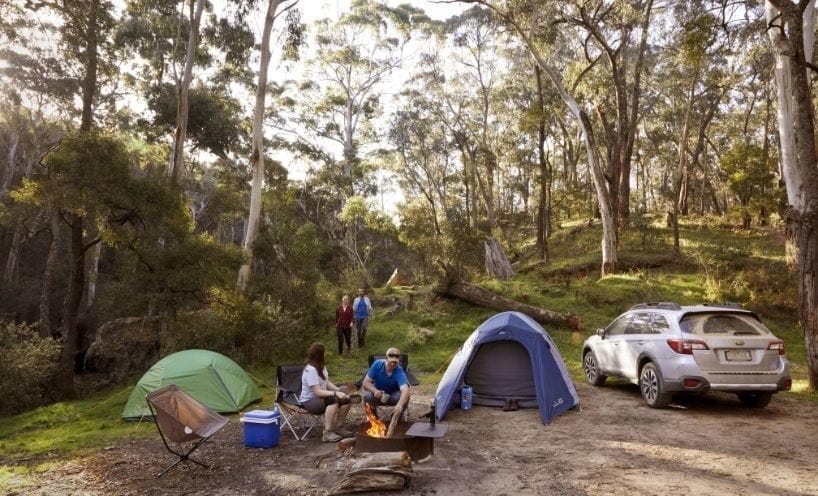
(343, 325)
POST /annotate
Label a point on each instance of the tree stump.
(497, 263)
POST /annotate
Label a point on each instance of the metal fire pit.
(417, 447)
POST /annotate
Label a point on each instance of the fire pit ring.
(419, 448)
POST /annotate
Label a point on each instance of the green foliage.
(749, 173)
(250, 332)
(28, 367)
(214, 122)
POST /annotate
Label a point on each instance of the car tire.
(590, 366)
(653, 387)
(755, 399)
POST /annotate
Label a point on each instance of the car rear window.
(725, 324)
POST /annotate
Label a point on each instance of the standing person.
(319, 395)
(363, 311)
(343, 325)
(386, 383)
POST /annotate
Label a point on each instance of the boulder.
(124, 347)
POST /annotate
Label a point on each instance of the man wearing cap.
(386, 383)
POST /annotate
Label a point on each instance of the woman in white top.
(319, 395)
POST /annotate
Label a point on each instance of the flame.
(377, 428)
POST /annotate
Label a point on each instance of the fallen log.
(371, 479)
(387, 471)
(455, 287)
(398, 460)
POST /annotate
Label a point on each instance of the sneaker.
(331, 437)
(343, 432)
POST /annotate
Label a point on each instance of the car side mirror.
(600, 333)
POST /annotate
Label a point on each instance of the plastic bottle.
(465, 398)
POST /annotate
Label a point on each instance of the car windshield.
(725, 324)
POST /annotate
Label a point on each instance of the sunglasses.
(394, 355)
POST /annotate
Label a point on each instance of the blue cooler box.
(261, 428)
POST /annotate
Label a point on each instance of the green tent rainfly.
(213, 379)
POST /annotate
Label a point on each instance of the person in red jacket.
(343, 325)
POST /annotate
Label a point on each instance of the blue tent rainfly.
(509, 358)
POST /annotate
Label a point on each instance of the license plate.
(738, 355)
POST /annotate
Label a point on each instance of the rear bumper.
(684, 368)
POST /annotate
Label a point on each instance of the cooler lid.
(260, 415)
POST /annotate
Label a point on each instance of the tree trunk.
(791, 35)
(542, 211)
(71, 305)
(454, 286)
(177, 159)
(93, 273)
(44, 319)
(497, 263)
(11, 165)
(76, 254)
(257, 155)
(12, 260)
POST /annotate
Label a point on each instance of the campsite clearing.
(614, 446)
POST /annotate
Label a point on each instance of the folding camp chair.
(288, 385)
(183, 420)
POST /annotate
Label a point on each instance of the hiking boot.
(343, 432)
(331, 437)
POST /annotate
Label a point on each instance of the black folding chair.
(181, 419)
(295, 416)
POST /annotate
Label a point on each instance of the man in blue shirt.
(363, 311)
(386, 383)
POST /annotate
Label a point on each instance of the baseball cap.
(393, 355)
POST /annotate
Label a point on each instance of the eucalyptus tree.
(86, 53)
(791, 31)
(618, 33)
(424, 162)
(257, 151)
(530, 22)
(328, 118)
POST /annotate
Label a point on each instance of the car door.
(632, 343)
(607, 349)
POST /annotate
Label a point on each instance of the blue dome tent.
(510, 357)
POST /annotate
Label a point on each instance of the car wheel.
(591, 368)
(755, 399)
(652, 386)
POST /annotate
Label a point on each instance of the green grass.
(717, 264)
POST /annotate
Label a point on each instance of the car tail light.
(786, 385)
(777, 345)
(686, 346)
(691, 383)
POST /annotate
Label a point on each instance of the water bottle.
(465, 398)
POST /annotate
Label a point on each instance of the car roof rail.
(664, 305)
(726, 304)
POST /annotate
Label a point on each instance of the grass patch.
(716, 264)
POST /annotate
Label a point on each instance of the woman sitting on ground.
(319, 395)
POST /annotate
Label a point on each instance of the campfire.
(376, 427)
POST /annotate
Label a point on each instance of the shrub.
(244, 330)
(27, 369)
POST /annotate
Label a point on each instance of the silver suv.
(666, 348)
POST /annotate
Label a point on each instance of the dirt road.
(614, 446)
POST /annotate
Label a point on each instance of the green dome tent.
(213, 379)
